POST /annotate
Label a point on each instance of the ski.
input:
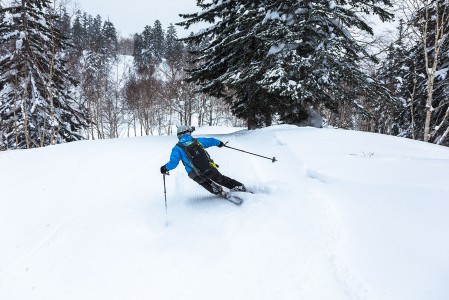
(232, 198)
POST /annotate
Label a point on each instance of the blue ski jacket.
(178, 154)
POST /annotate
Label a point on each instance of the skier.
(199, 166)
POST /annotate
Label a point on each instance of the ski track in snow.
(314, 181)
(322, 274)
(315, 242)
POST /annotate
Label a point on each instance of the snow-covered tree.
(158, 41)
(109, 39)
(2, 51)
(173, 48)
(290, 54)
(138, 45)
(64, 26)
(394, 72)
(94, 31)
(149, 47)
(36, 107)
(78, 35)
(143, 52)
(426, 114)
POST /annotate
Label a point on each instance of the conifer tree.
(173, 48)
(95, 34)
(147, 35)
(109, 40)
(138, 46)
(157, 41)
(65, 23)
(149, 47)
(36, 108)
(294, 54)
(86, 22)
(78, 35)
(394, 72)
(146, 55)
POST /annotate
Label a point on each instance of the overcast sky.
(131, 16)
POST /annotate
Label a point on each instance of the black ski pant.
(213, 180)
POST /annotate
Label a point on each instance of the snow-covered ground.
(341, 215)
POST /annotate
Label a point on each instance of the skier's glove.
(164, 170)
(221, 144)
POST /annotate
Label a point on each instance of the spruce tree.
(147, 52)
(36, 108)
(138, 46)
(157, 41)
(109, 40)
(78, 35)
(294, 54)
(86, 22)
(173, 48)
(65, 23)
(95, 34)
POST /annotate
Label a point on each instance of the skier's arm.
(210, 142)
(175, 157)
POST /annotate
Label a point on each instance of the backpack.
(198, 157)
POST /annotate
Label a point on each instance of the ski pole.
(165, 194)
(272, 159)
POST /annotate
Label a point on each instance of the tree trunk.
(251, 119)
(428, 115)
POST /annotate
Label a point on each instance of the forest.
(66, 75)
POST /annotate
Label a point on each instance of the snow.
(271, 15)
(275, 49)
(341, 215)
(122, 66)
(302, 10)
(442, 73)
(19, 44)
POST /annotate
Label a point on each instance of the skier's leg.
(223, 180)
(206, 183)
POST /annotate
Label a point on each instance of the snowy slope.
(342, 215)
